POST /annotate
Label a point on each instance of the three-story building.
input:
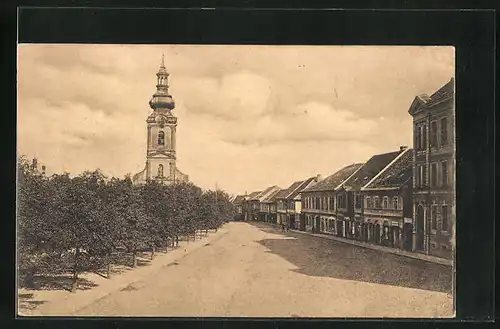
(434, 171)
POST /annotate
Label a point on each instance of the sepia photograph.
(264, 181)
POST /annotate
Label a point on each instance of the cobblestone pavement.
(257, 271)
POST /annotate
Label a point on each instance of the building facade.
(268, 207)
(319, 201)
(349, 221)
(385, 205)
(161, 137)
(434, 171)
(295, 218)
(238, 205)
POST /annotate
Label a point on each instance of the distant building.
(38, 168)
(265, 201)
(251, 206)
(269, 207)
(282, 203)
(161, 137)
(434, 171)
(238, 204)
(289, 205)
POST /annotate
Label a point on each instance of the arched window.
(161, 138)
(433, 217)
(160, 170)
(376, 202)
(385, 202)
(369, 203)
(395, 202)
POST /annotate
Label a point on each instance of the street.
(255, 270)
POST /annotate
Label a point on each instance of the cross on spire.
(162, 60)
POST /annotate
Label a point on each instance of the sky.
(249, 117)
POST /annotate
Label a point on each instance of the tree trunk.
(206, 232)
(29, 279)
(152, 252)
(134, 258)
(176, 240)
(74, 284)
(109, 271)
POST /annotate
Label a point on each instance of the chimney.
(43, 170)
(35, 164)
(318, 178)
(403, 147)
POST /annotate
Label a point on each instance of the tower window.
(160, 170)
(161, 138)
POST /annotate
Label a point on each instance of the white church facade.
(161, 137)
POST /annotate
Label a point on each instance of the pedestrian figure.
(282, 227)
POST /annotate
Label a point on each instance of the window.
(433, 174)
(161, 138)
(357, 200)
(332, 203)
(395, 202)
(444, 218)
(376, 202)
(160, 170)
(444, 174)
(433, 133)
(444, 131)
(385, 202)
(369, 203)
(423, 176)
(433, 218)
(416, 174)
(318, 206)
(325, 203)
(424, 138)
(417, 138)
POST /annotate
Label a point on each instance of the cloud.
(249, 116)
(307, 122)
(235, 96)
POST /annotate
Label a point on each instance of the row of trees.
(75, 224)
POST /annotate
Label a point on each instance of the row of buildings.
(402, 199)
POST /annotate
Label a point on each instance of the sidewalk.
(65, 303)
(427, 258)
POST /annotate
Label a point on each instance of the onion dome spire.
(161, 99)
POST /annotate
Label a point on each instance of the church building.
(161, 140)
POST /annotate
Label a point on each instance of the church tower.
(161, 139)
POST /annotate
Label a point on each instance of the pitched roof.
(396, 174)
(264, 194)
(444, 93)
(285, 193)
(304, 184)
(239, 199)
(370, 169)
(334, 180)
(252, 195)
(424, 101)
(272, 197)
